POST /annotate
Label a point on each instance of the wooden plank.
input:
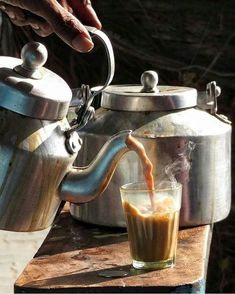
(73, 255)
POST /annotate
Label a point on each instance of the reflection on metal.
(80, 186)
(189, 144)
(38, 146)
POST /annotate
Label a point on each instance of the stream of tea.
(152, 230)
(147, 165)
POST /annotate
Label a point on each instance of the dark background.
(188, 43)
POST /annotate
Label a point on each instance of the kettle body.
(34, 161)
(188, 145)
(38, 146)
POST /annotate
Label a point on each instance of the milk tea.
(153, 234)
(152, 217)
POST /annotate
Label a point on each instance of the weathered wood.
(74, 254)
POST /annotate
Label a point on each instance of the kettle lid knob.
(29, 88)
(149, 81)
(34, 56)
(149, 96)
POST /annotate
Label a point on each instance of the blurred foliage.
(187, 42)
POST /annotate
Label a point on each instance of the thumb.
(67, 26)
(63, 23)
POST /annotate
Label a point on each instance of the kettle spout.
(81, 185)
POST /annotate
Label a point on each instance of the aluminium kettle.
(184, 137)
(38, 146)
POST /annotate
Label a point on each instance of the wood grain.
(74, 254)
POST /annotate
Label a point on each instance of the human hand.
(63, 17)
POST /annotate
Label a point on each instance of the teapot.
(38, 146)
(185, 138)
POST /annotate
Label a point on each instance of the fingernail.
(35, 26)
(82, 44)
(2, 7)
(11, 14)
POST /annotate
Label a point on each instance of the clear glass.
(152, 219)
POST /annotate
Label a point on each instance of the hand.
(58, 16)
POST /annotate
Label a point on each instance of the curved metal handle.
(87, 93)
(213, 91)
(110, 55)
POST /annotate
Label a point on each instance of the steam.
(180, 167)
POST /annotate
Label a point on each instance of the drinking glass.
(152, 218)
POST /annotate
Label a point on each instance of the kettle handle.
(87, 94)
(110, 56)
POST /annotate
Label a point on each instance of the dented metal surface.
(189, 145)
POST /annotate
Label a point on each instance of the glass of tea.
(152, 218)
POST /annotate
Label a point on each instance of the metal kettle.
(184, 137)
(38, 147)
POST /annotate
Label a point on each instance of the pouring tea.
(38, 146)
(180, 129)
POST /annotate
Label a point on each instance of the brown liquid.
(152, 237)
(136, 146)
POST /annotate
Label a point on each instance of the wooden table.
(74, 256)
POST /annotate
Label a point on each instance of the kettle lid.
(148, 96)
(28, 88)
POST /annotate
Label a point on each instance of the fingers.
(39, 25)
(66, 26)
(55, 17)
(22, 17)
(85, 12)
(14, 13)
